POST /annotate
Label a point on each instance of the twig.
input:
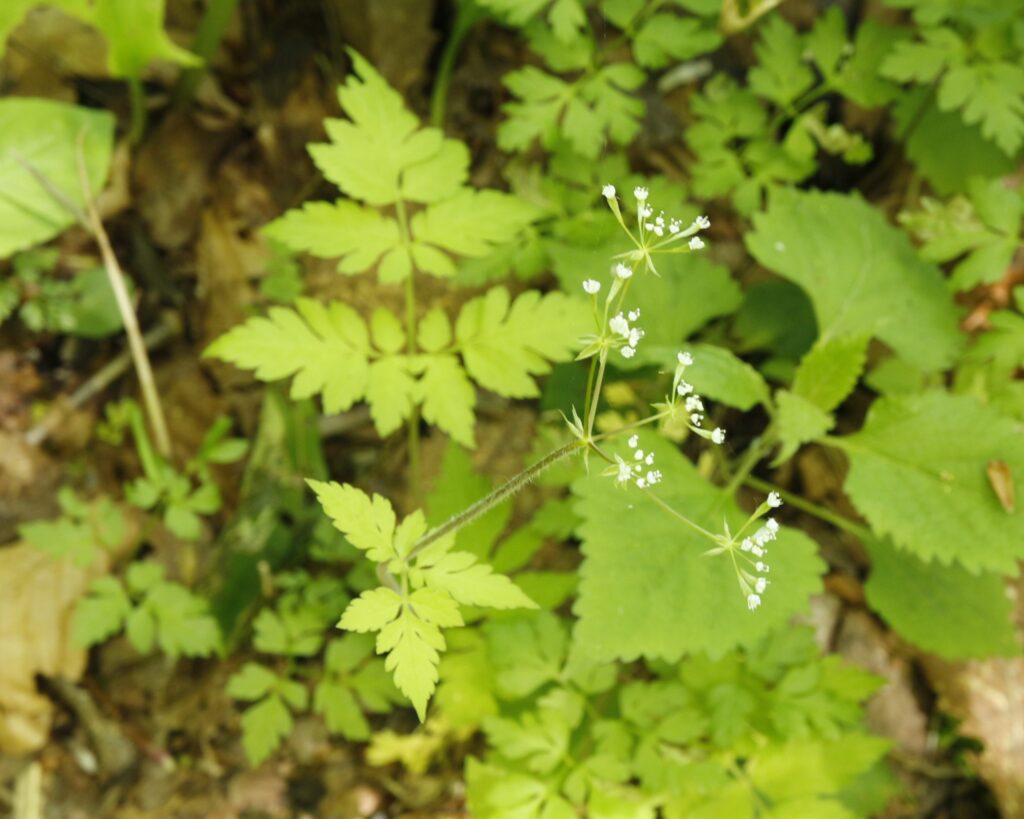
(147, 383)
(99, 381)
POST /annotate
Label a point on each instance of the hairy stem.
(485, 504)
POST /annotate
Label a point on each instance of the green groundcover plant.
(663, 673)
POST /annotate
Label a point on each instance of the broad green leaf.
(251, 682)
(412, 646)
(946, 150)
(798, 421)
(326, 348)
(381, 154)
(101, 613)
(829, 371)
(474, 584)
(865, 280)
(368, 523)
(918, 474)
(44, 135)
(264, 726)
(135, 36)
(371, 611)
(991, 95)
(504, 344)
(642, 566)
(718, 374)
(447, 397)
(357, 235)
(944, 609)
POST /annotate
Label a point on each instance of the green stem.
(596, 394)
(485, 504)
(681, 517)
(465, 18)
(413, 427)
(820, 512)
(215, 22)
(755, 452)
(137, 98)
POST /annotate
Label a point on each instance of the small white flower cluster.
(620, 325)
(637, 469)
(692, 402)
(755, 549)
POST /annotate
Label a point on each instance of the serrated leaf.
(540, 739)
(101, 613)
(391, 391)
(991, 95)
(798, 421)
(829, 371)
(943, 609)
(251, 682)
(475, 584)
(185, 626)
(814, 767)
(865, 281)
(371, 611)
(342, 714)
(503, 346)
(412, 646)
(447, 397)
(436, 607)
(324, 347)
(917, 473)
(643, 566)
(922, 61)
(45, 134)
(665, 37)
(264, 726)
(780, 74)
(357, 236)
(368, 523)
(381, 154)
(718, 374)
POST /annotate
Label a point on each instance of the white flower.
(633, 441)
(685, 359)
(619, 325)
(625, 470)
(761, 567)
(718, 436)
(608, 191)
(640, 194)
(695, 419)
(694, 404)
(622, 271)
(696, 243)
(592, 286)
(674, 226)
(753, 601)
(702, 222)
(633, 315)
(653, 477)
(760, 585)
(772, 526)
(628, 352)
(639, 455)
(684, 388)
(747, 545)
(774, 501)
(635, 335)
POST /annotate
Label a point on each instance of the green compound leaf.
(447, 397)
(44, 134)
(944, 609)
(798, 421)
(474, 584)
(358, 235)
(264, 727)
(368, 523)
(371, 611)
(413, 644)
(252, 682)
(862, 275)
(382, 155)
(991, 95)
(829, 371)
(135, 36)
(781, 75)
(643, 566)
(505, 343)
(101, 613)
(918, 474)
(340, 710)
(666, 37)
(309, 342)
(470, 223)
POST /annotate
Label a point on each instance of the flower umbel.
(638, 469)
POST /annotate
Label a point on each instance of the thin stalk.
(147, 383)
(596, 395)
(413, 427)
(755, 452)
(212, 26)
(681, 517)
(465, 18)
(820, 512)
(650, 419)
(485, 504)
